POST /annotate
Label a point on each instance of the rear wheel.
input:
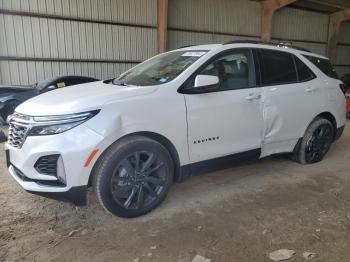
(316, 142)
(134, 176)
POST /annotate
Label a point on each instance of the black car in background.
(12, 96)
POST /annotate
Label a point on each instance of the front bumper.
(73, 147)
(75, 195)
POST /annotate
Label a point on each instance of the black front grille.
(47, 165)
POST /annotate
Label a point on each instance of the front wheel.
(316, 142)
(133, 176)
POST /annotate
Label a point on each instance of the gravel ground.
(239, 214)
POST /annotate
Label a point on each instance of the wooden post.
(335, 20)
(162, 25)
(268, 8)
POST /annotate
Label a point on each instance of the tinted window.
(235, 69)
(304, 73)
(324, 65)
(277, 67)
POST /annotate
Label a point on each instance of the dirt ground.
(239, 214)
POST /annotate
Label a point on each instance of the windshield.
(160, 69)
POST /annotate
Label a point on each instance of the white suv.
(179, 113)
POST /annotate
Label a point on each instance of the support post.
(335, 20)
(268, 8)
(162, 25)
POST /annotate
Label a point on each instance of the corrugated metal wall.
(102, 38)
(208, 21)
(203, 21)
(40, 37)
(305, 29)
(343, 49)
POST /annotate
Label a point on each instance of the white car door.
(292, 97)
(225, 120)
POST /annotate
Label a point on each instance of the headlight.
(51, 125)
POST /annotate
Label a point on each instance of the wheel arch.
(325, 115)
(152, 135)
(329, 116)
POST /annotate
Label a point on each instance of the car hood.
(79, 98)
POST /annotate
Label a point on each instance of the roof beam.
(335, 20)
(328, 4)
(162, 24)
(268, 8)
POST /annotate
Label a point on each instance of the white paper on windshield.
(193, 54)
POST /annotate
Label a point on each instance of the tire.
(133, 176)
(316, 142)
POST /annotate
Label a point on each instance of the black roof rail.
(245, 42)
(184, 46)
(268, 43)
(294, 47)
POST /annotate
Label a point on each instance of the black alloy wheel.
(138, 180)
(315, 143)
(133, 176)
(319, 143)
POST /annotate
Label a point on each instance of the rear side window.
(277, 67)
(324, 65)
(304, 73)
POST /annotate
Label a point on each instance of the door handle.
(252, 97)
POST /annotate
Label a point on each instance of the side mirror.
(206, 81)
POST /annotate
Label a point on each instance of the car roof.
(252, 44)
